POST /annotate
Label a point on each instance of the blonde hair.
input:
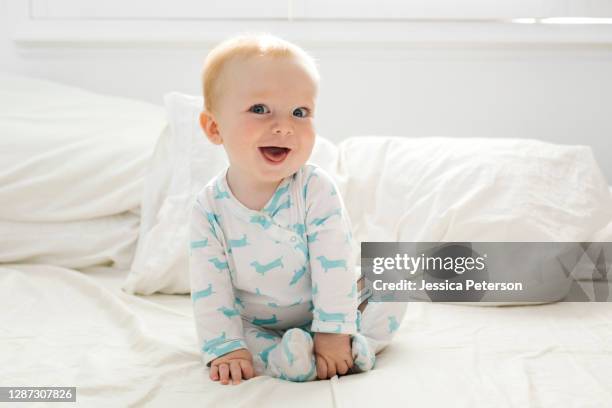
(247, 45)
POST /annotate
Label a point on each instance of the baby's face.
(265, 116)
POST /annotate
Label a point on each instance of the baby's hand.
(333, 354)
(235, 365)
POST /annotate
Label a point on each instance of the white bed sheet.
(60, 327)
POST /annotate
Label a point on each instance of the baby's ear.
(210, 128)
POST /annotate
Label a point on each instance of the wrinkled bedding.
(60, 327)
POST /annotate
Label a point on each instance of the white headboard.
(395, 77)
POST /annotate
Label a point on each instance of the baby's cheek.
(253, 128)
(307, 143)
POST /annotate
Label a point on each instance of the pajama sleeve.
(218, 322)
(334, 292)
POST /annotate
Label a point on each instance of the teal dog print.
(202, 293)
(262, 269)
(328, 264)
(330, 317)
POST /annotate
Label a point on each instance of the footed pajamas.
(267, 280)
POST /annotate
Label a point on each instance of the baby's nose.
(282, 128)
(280, 131)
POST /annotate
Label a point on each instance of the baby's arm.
(333, 278)
(218, 322)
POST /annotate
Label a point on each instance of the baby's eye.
(259, 109)
(301, 112)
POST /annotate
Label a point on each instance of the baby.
(273, 287)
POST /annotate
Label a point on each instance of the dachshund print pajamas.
(267, 280)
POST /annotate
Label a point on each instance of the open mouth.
(274, 154)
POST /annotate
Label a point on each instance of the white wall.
(558, 91)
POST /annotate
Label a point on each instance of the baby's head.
(259, 102)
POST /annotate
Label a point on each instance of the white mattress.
(60, 327)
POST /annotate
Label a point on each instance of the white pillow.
(452, 189)
(488, 190)
(67, 154)
(108, 241)
(184, 161)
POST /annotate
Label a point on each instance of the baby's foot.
(363, 355)
(293, 359)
